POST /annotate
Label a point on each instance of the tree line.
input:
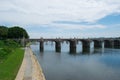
(14, 32)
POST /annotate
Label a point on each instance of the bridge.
(98, 43)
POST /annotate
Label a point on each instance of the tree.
(17, 32)
(3, 32)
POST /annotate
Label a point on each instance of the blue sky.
(63, 18)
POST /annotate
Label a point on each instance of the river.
(99, 64)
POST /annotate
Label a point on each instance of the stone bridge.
(98, 43)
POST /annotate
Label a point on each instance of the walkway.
(30, 68)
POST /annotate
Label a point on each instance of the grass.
(6, 47)
(1, 44)
(10, 66)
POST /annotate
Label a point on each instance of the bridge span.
(98, 43)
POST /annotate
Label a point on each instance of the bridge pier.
(109, 43)
(41, 46)
(72, 46)
(116, 43)
(98, 44)
(86, 45)
(58, 46)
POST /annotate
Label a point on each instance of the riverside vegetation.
(11, 52)
(11, 56)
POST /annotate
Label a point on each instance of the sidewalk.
(30, 68)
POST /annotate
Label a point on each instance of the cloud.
(77, 27)
(47, 11)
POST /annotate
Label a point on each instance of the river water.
(99, 64)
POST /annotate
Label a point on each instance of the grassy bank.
(6, 47)
(11, 56)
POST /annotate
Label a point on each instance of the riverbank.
(10, 64)
(30, 68)
(11, 56)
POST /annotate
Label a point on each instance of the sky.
(63, 18)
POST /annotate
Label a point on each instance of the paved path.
(30, 68)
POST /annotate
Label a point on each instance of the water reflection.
(99, 64)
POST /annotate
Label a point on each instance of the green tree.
(3, 32)
(17, 32)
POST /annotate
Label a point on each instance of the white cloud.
(77, 26)
(45, 12)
